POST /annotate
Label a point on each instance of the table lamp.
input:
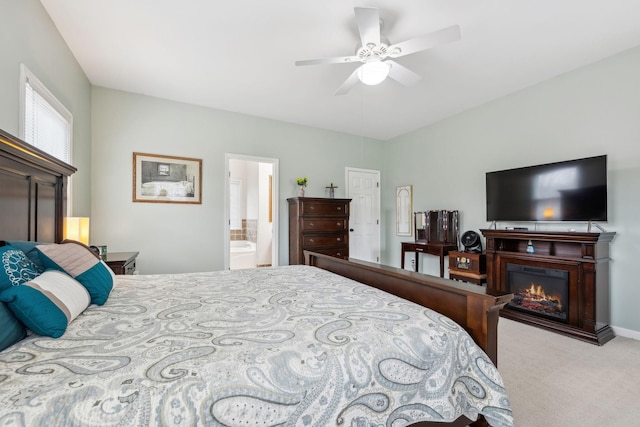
(77, 228)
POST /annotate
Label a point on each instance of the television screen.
(574, 190)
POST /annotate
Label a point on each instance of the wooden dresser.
(319, 225)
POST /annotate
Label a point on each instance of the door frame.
(349, 169)
(274, 203)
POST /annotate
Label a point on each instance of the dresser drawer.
(315, 207)
(317, 224)
(334, 252)
(320, 225)
(324, 239)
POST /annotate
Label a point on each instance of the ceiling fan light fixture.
(373, 72)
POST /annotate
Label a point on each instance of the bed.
(325, 343)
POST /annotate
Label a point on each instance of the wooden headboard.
(33, 192)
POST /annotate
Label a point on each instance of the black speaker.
(471, 241)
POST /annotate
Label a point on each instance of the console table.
(439, 249)
(585, 258)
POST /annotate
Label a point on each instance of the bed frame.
(33, 188)
(468, 305)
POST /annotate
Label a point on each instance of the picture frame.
(404, 210)
(159, 178)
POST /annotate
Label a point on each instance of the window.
(44, 123)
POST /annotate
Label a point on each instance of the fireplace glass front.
(541, 291)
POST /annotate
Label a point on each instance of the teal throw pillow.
(48, 303)
(15, 267)
(12, 329)
(82, 264)
(29, 248)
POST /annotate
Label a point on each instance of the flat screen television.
(573, 190)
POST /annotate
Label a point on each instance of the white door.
(363, 188)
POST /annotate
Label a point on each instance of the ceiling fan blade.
(368, 21)
(333, 60)
(402, 74)
(351, 81)
(427, 41)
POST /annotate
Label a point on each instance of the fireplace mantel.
(584, 255)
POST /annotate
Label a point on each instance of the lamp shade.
(77, 228)
(373, 72)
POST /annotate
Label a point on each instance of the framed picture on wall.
(166, 179)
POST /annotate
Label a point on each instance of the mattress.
(292, 345)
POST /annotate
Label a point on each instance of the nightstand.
(121, 262)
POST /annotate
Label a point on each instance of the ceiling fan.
(377, 55)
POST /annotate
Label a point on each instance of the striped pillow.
(82, 264)
(48, 303)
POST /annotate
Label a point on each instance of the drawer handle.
(311, 224)
(419, 250)
(312, 207)
(311, 240)
(339, 224)
(338, 239)
(339, 208)
(338, 254)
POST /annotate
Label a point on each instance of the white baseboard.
(627, 333)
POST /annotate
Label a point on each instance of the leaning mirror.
(404, 210)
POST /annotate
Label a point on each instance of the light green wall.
(28, 36)
(173, 237)
(591, 111)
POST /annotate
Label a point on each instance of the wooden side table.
(439, 249)
(121, 262)
(468, 267)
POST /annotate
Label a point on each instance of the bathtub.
(242, 254)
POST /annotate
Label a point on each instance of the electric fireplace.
(562, 286)
(542, 291)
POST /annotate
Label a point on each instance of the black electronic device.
(471, 241)
(573, 190)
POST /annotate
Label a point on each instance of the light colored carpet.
(553, 380)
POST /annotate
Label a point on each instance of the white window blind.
(46, 123)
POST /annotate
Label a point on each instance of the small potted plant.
(302, 182)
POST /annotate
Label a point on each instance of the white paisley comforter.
(290, 345)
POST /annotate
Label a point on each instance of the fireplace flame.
(536, 293)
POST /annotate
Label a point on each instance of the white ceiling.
(239, 55)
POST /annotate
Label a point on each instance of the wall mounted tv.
(573, 190)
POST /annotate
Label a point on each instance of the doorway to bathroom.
(251, 211)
